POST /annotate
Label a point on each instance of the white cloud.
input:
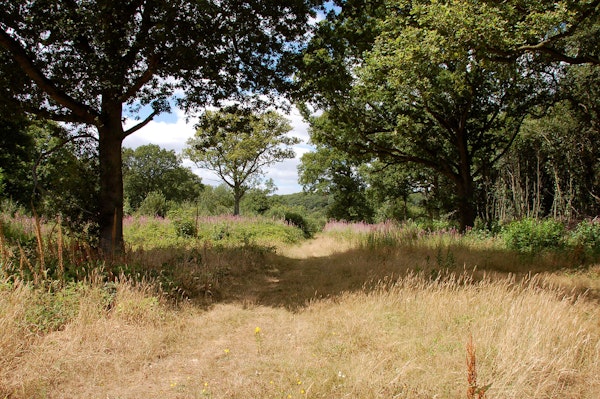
(173, 136)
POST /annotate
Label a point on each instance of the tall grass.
(385, 311)
(405, 339)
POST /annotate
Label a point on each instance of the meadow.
(249, 308)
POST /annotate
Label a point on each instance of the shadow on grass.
(254, 276)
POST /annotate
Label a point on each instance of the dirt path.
(315, 269)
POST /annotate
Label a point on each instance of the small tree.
(237, 145)
(329, 171)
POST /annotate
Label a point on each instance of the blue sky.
(170, 131)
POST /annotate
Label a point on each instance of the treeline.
(46, 170)
(551, 169)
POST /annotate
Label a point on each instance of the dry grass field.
(329, 318)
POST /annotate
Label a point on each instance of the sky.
(171, 131)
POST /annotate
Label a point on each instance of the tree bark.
(464, 181)
(110, 219)
(237, 197)
(465, 203)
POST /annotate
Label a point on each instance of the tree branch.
(81, 41)
(544, 46)
(506, 147)
(142, 35)
(81, 112)
(142, 80)
(140, 125)
(36, 186)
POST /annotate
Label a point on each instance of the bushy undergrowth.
(151, 232)
(586, 236)
(182, 258)
(532, 236)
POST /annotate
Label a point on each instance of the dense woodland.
(471, 113)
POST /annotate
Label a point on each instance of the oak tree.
(420, 88)
(90, 62)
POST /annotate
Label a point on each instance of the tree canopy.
(331, 172)
(238, 144)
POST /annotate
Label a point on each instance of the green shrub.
(185, 228)
(149, 232)
(532, 236)
(295, 219)
(51, 308)
(587, 236)
(155, 204)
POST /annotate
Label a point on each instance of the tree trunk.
(464, 183)
(465, 203)
(237, 197)
(110, 218)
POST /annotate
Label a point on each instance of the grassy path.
(313, 322)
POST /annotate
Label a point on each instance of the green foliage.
(16, 227)
(149, 232)
(259, 200)
(2, 183)
(425, 91)
(330, 171)
(17, 152)
(295, 219)
(227, 231)
(185, 228)
(48, 166)
(533, 236)
(298, 216)
(311, 203)
(66, 175)
(564, 30)
(52, 307)
(237, 144)
(553, 168)
(155, 204)
(214, 201)
(586, 236)
(262, 231)
(150, 168)
(95, 63)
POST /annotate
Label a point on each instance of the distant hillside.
(311, 202)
